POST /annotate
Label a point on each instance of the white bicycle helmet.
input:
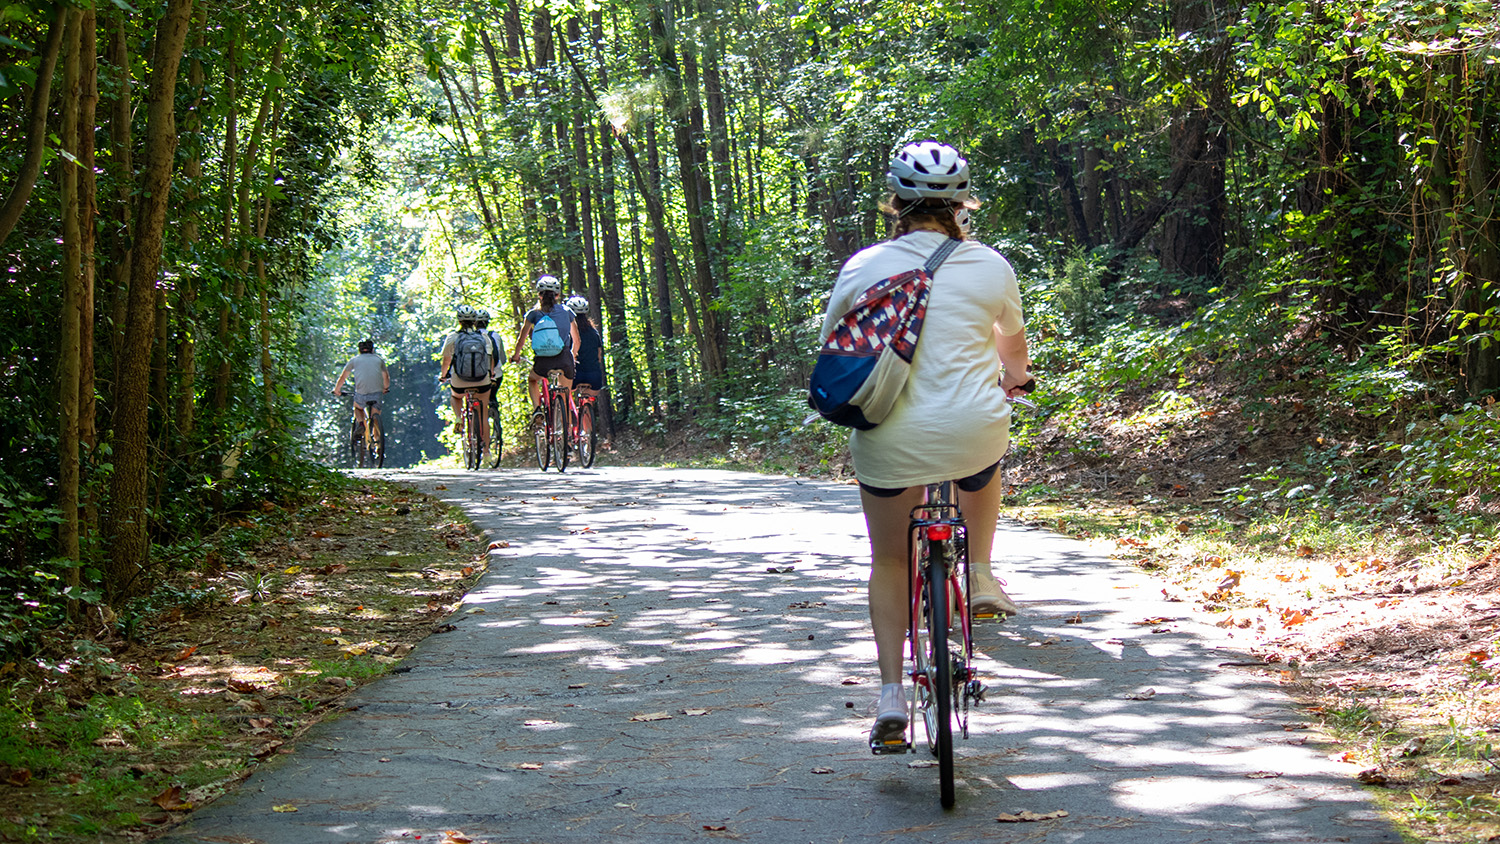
(577, 304)
(929, 170)
(548, 282)
(482, 315)
(964, 219)
(466, 313)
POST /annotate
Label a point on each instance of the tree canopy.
(206, 205)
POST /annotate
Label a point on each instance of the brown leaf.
(1231, 580)
(1305, 551)
(715, 828)
(171, 800)
(185, 653)
(1025, 816)
(244, 687)
(18, 777)
(530, 766)
(453, 836)
(1371, 776)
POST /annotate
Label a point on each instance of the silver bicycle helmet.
(577, 304)
(929, 170)
(482, 315)
(964, 219)
(548, 282)
(466, 313)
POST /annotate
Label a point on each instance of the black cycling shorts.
(563, 361)
(593, 380)
(973, 483)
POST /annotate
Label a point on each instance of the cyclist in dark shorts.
(952, 419)
(556, 322)
(589, 379)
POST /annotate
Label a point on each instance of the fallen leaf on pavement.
(1146, 695)
(850, 681)
(453, 836)
(695, 712)
(284, 807)
(651, 716)
(712, 828)
(171, 800)
(1263, 775)
(1024, 816)
(530, 766)
(822, 770)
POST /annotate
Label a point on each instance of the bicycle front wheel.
(937, 708)
(560, 431)
(588, 434)
(539, 439)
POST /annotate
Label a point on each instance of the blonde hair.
(906, 214)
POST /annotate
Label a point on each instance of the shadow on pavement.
(661, 655)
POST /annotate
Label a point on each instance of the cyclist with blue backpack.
(550, 331)
(467, 367)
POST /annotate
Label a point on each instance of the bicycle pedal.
(890, 746)
(975, 691)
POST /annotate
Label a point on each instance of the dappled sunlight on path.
(658, 655)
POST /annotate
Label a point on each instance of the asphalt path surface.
(684, 655)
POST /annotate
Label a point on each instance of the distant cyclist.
(370, 380)
(497, 356)
(589, 379)
(467, 366)
(550, 330)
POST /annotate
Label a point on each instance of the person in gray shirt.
(368, 377)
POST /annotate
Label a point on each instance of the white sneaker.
(988, 597)
(890, 715)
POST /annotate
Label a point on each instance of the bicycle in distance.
(366, 436)
(940, 631)
(551, 423)
(584, 411)
(471, 436)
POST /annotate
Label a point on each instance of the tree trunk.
(88, 193)
(130, 544)
(70, 326)
(187, 285)
(696, 200)
(36, 125)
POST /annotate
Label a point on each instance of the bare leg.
(890, 605)
(534, 388)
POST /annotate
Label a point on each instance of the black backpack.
(471, 356)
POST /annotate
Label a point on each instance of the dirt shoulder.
(124, 726)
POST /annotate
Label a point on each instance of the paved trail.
(662, 655)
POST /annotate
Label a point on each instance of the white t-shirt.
(952, 419)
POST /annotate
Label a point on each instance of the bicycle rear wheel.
(377, 439)
(542, 448)
(472, 447)
(588, 433)
(496, 441)
(937, 708)
(560, 431)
